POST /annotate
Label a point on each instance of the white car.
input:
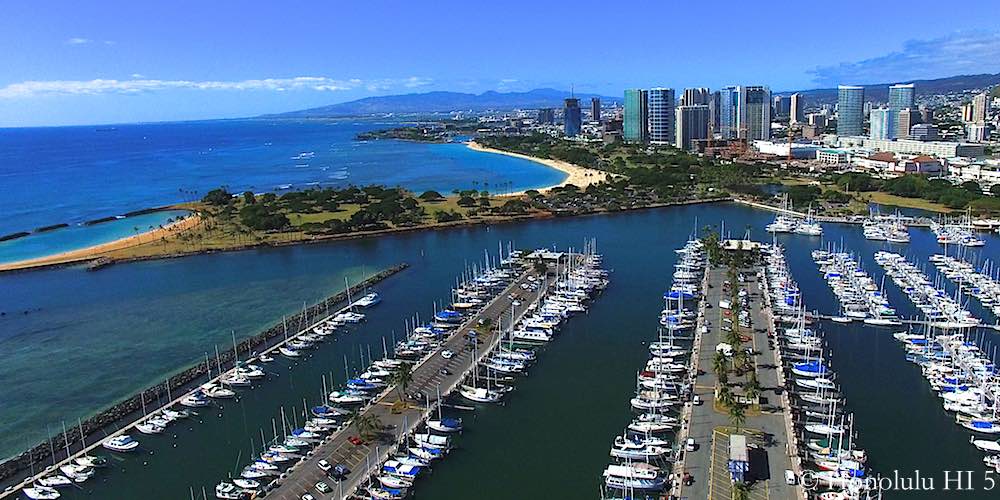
(324, 465)
(447, 354)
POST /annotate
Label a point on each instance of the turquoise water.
(80, 236)
(75, 174)
(89, 338)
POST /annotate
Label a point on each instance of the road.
(427, 378)
(708, 426)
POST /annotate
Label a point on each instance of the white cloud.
(972, 52)
(78, 41)
(139, 85)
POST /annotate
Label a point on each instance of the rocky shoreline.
(122, 413)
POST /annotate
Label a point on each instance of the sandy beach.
(96, 251)
(580, 177)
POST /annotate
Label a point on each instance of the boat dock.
(767, 423)
(910, 322)
(913, 222)
(401, 417)
(267, 343)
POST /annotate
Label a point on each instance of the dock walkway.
(427, 379)
(710, 427)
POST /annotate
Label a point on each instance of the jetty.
(766, 427)
(432, 375)
(122, 418)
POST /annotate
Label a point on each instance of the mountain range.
(880, 92)
(443, 102)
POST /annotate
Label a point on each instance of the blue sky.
(99, 61)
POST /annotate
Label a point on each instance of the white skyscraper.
(883, 123)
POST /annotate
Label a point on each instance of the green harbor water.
(76, 340)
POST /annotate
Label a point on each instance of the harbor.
(609, 344)
(465, 364)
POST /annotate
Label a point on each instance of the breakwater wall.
(124, 413)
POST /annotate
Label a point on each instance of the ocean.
(75, 341)
(77, 174)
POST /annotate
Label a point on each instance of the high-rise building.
(901, 96)
(729, 99)
(546, 116)
(692, 124)
(883, 124)
(713, 113)
(967, 112)
(782, 105)
(795, 108)
(926, 115)
(636, 116)
(661, 116)
(754, 113)
(924, 132)
(693, 96)
(906, 118)
(595, 109)
(571, 117)
(977, 132)
(981, 108)
(850, 106)
(818, 120)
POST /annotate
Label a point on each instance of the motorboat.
(229, 491)
(39, 492)
(122, 443)
(55, 481)
(369, 300)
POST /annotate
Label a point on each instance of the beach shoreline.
(96, 251)
(578, 176)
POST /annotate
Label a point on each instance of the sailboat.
(441, 424)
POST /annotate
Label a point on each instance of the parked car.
(690, 445)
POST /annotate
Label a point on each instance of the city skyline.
(107, 63)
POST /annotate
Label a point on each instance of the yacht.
(639, 476)
(229, 491)
(369, 300)
(122, 443)
(39, 492)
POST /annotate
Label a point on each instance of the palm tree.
(733, 338)
(737, 416)
(752, 386)
(720, 363)
(368, 425)
(724, 395)
(401, 378)
(741, 491)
